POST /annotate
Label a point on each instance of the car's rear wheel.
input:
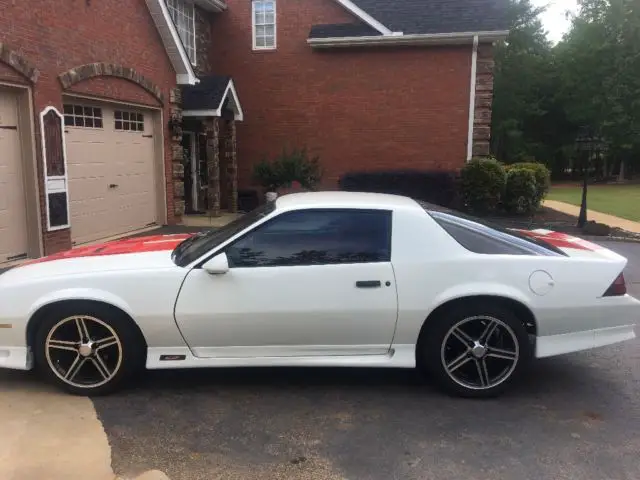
(476, 350)
(88, 349)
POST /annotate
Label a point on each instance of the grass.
(620, 200)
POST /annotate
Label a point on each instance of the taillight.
(617, 288)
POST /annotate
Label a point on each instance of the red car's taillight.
(617, 288)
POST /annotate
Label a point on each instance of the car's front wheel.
(88, 349)
(476, 350)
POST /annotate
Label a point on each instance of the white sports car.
(317, 279)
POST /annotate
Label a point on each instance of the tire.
(110, 355)
(465, 368)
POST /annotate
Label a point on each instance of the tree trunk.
(612, 165)
(621, 175)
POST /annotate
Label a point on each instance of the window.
(264, 24)
(55, 165)
(183, 16)
(202, 243)
(128, 121)
(316, 237)
(81, 116)
(480, 236)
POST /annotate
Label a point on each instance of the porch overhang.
(213, 96)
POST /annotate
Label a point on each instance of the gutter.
(395, 39)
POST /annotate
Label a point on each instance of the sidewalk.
(612, 221)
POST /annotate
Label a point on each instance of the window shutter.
(54, 157)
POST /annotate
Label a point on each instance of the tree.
(600, 75)
(544, 94)
(520, 62)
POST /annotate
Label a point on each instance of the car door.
(307, 282)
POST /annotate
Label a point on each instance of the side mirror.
(218, 265)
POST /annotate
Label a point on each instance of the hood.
(156, 243)
(141, 253)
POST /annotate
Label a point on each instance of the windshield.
(199, 244)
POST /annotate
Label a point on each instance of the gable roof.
(171, 39)
(212, 95)
(408, 21)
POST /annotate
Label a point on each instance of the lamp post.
(584, 146)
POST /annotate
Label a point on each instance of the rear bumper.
(17, 358)
(551, 345)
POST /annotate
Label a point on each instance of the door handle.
(368, 284)
(113, 185)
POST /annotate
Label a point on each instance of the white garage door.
(111, 168)
(13, 222)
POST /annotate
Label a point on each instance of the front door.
(310, 282)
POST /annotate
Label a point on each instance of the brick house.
(116, 116)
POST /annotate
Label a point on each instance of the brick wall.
(8, 74)
(359, 109)
(57, 35)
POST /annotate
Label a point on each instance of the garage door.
(13, 222)
(111, 168)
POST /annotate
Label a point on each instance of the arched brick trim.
(18, 63)
(90, 70)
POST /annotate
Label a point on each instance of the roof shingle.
(342, 30)
(206, 95)
(425, 17)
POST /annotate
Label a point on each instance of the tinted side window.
(316, 237)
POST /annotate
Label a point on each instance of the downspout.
(472, 97)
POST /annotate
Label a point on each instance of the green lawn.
(619, 200)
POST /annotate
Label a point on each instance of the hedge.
(482, 185)
(520, 195)
(542, 178)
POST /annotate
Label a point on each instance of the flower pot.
(271, 196)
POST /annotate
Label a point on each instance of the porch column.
(484, 100)
(177, 154)
(212, 130)
(231, 165)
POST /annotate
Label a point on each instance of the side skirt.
(400, 356)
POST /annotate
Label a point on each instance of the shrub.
(266, 175)
(520, 191)
(482, 185)
(297, 166)
(542, 176)
(438, 187)
(288, 167)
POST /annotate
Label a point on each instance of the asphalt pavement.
(572, 417)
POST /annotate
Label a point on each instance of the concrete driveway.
(573, 417)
